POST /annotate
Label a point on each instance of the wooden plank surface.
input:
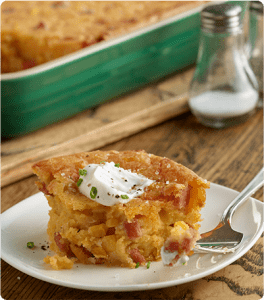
(94, 128)
(20, 165)
(230, 157)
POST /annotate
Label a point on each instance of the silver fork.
(223, 238)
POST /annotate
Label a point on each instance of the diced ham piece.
(110, 231)
(86, 252)
(63, 244)
(183, 200)
(186, 245)
(43, 189)
(75, 176)
(138, 216)
(40, 25)
(85, 44)
(28, 64)
(133, 229)
(137, 256)
(172, 246)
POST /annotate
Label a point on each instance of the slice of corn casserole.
(112, 219)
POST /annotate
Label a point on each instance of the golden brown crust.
(149, 165)
(171, 178)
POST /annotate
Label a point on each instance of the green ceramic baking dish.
(56, 90)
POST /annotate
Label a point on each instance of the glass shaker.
(224, 89)
(256, 42)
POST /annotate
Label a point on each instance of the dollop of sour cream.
(109, 184)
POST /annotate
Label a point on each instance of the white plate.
(27, 221)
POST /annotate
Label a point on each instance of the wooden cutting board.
(97, 127)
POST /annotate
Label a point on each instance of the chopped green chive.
(184, 263)
(103, 161)
(30, 245)
(83, 172)
(124, 196)
(148, 265)
(79, 181)
(137, 265)
(93, 192)
(117, 165)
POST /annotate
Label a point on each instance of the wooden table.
(230, 157)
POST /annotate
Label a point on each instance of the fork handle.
(256, 183)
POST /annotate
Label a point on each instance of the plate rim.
(130, 287)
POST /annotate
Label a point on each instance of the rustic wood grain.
(20, 168)
(94, 128)
(230, 157)
(184, 140)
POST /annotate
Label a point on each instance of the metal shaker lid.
(256, 6)
(220, 18)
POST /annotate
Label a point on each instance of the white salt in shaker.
(224, 89)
